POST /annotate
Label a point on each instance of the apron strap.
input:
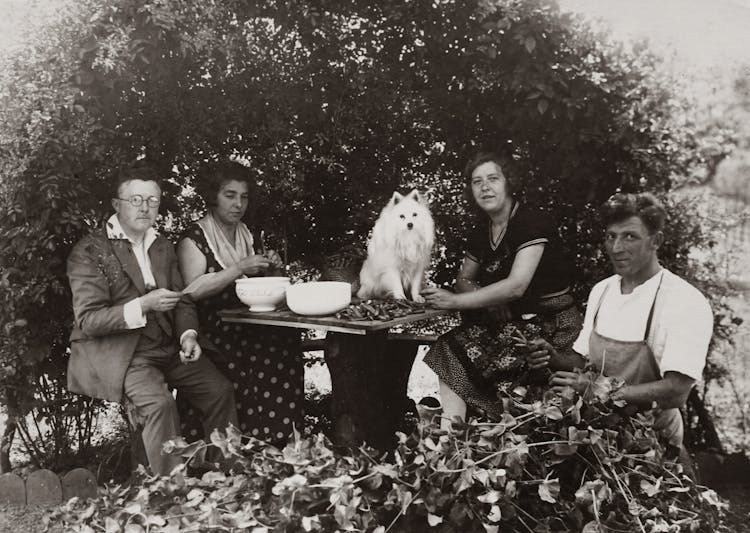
(599, 306)
(653, 307)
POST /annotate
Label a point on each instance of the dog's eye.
(413, 214)
(402, 216)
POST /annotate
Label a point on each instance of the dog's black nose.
(410, 225)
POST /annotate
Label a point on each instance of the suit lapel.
(157, 255)
(125, 255)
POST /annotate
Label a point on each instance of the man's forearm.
(666, 393)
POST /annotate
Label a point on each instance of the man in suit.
(135, 334)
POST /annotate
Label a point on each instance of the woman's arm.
(193, 264)
(501, 292)
(468, 276)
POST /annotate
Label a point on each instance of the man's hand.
(190, 349)
(254, 264)
(439, 298)
(160, 300)
(578, 382)
(539, 353)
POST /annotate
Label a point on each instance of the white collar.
(115, 232)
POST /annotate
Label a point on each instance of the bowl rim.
(268, 279)
(314, 283)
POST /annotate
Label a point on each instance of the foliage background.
(333, 105)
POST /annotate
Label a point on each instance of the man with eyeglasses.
(135, 334)
(644, 325)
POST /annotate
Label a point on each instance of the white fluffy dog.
(399, 250)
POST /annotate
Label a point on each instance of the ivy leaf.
(565, 449)
(553, 412)
(111, 525)
(387, 470)
(489, 497)
(542, 105)
(434, 519)
(483, 476)
(289, 484)
(651, 489)
(155, 520)
(530, 44)
(549, 490)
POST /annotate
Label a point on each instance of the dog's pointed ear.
(414, 195)
(396, 198)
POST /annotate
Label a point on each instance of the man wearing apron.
(644, 325)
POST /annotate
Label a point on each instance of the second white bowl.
(318, 298)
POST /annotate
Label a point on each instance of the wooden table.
(369, 370)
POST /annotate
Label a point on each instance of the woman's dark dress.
(263, 362)
(547, 297)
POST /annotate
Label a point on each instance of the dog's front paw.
(417, 298)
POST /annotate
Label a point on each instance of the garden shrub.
(333, 105)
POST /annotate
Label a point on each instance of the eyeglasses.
(137, 200)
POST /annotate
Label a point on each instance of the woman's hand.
(578, 382)
(254, 264)
(539, 353)
(439, 298)
(274, 258)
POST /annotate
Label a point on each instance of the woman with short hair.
(264, 363)
(513, 267)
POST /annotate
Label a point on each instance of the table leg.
(369, 376)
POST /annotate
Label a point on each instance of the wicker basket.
(344, 266)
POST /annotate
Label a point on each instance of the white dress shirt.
(132, 310)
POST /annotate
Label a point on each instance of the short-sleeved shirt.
(681, 328)
(526, 227)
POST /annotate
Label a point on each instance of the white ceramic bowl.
(318, 298)
(261, 294)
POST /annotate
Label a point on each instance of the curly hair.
(621, 206)
(480, 158)
(213, 175)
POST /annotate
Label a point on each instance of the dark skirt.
(453, 356)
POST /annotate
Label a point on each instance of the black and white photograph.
(413, 266)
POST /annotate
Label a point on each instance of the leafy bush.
(333, 105)
(554, 465)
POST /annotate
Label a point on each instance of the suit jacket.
(104, 276)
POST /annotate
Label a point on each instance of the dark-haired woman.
(513, 266)
(264, 363)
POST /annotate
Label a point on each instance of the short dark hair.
(645, 206)
(139, 170)
(212, 175)
(480, 158)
